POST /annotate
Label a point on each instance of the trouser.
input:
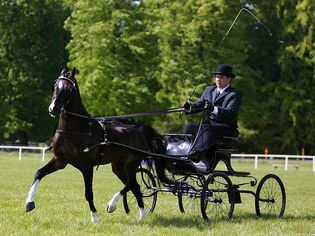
(209, 133)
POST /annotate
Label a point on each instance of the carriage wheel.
(148, 189)
(270, 197)
(187, 201)
(217, 197)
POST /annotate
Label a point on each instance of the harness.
(102, 121)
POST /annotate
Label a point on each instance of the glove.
(187, 106)
(208, 106)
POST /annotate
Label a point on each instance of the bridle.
(71, 89)
(62, 77)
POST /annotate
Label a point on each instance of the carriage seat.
(223, 149)
(226, 143)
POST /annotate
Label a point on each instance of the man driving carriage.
(221, 103)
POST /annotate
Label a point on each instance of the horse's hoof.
(94, 218)
(143, 213)
(30, 206)
(111, 209)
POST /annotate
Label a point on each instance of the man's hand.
(208, 106)
(187, 106)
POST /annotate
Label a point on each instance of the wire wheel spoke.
(217, 200)
(270, 197)
(188, 200)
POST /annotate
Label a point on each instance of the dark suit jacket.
(228, 104)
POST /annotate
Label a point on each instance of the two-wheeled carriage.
(203, 184)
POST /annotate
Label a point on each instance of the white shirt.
(221, 90)
(215, 108)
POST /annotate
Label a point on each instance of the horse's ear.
(64, 71)
(73, 72)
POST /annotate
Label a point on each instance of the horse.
(78, 130)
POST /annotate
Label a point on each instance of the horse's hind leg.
(119, 171)
(53, 165)
(135, 188)
(88, 181)
(127, 174)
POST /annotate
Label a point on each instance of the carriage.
(85, 141)
(212, 189)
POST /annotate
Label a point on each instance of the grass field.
(61, 208)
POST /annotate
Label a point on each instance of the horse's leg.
(135, 188)
(88, 181)
(53, 165)
(118, 170)
(127, 174)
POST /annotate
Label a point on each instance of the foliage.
(32, 44)
(115, 55)
(285, 120)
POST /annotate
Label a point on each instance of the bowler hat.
(224, 69)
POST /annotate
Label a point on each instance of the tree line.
(146, 55)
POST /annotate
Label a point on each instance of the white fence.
(272, 156)
(255, 156)
(21, 148)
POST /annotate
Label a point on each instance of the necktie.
(217, 94)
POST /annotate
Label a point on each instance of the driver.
(222, 103)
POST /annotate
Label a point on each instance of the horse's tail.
(155, 141)
(157, 145)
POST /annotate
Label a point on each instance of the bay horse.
(77, 129)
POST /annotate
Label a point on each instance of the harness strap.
(62, 132)
(136, 150)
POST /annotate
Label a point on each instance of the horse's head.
(63, 89)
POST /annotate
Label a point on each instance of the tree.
(286, 77)
(32, 44)
(115, 55)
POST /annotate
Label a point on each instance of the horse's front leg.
(88, 181)
(53, 165)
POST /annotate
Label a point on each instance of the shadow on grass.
(240, 218)
(183, 222)
(200, 224)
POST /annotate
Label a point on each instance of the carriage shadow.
(200, 224)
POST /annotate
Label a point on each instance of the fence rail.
(271, 156)
(255, 156)
(21, 148)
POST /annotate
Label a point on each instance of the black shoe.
(194, 156)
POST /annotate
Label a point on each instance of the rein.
(149, 113)
(107, 118)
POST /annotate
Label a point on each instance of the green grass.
(61, 208)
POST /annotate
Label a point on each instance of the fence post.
(43, 154)
(20, 153)
(256, 162)
(286, 163)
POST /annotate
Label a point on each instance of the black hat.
(224, 69)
